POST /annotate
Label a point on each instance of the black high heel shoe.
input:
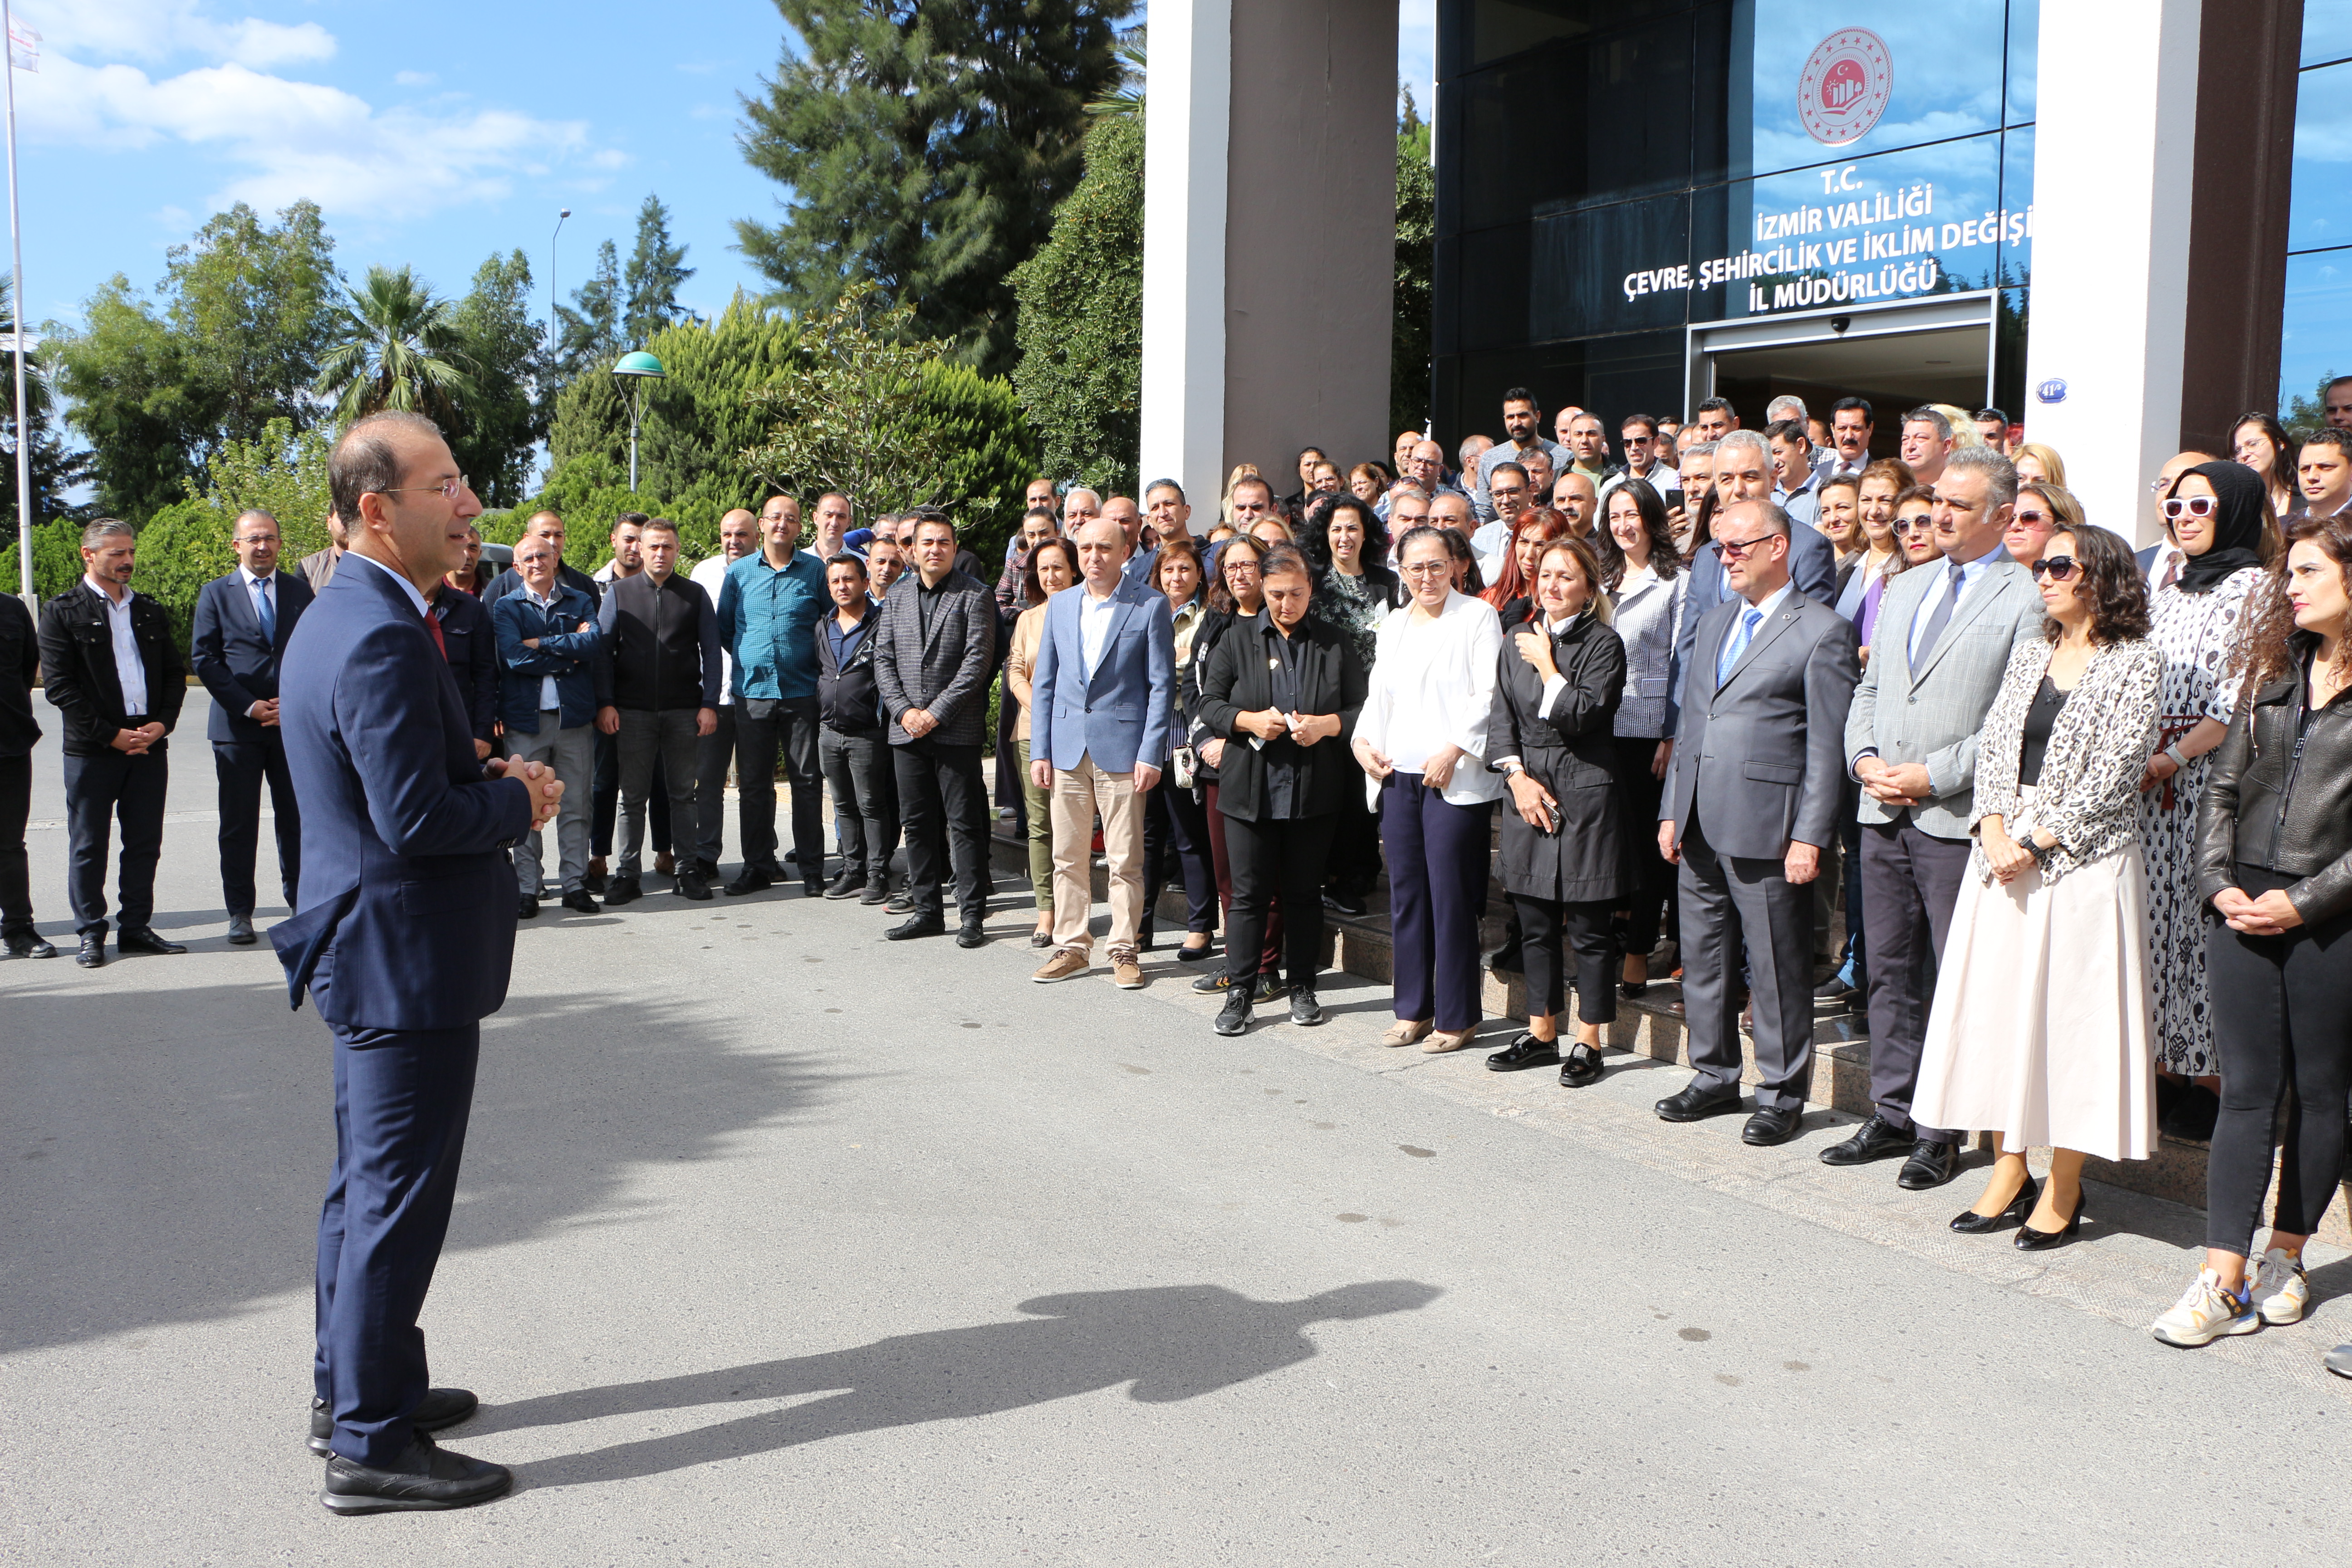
(2031, 1240)
(1975, 1224)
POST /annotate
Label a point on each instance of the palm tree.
(398, 347)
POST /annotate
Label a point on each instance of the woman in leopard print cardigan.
(2043, 1026)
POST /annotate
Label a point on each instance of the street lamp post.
(639, 368)
(8, 50)
(552, 295)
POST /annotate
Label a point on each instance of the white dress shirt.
(1433, 686)
(1094, 626)
(1969, 573)
(128, 666)
(549, 698)
(407, 587)
(710, 576)
(259, 589)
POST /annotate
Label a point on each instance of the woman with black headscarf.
(2220, 517)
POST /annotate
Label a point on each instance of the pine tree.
(650, 285)
(1414, 312)
(500, 424)
(1081, 325)
(588, 330)
(926, 144)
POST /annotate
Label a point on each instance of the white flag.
(24, 48)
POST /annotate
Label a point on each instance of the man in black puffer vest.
(664, 642)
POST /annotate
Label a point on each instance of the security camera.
(1839, 324)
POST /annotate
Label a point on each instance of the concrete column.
(2113, 166)
(1269, 236)
(1189, 91)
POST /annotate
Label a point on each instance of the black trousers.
(766, 728)
(241, 766)
(943, 803)
(1647, 872)
(865, 785)
(604, 799)
(1355, 848)
(2281, 1021)
(712, 755)
(403, 1097)
(1176, 839)
(15, 876)
(1910, 882)
(1285, 856)
(1590, 932)
(100, 789)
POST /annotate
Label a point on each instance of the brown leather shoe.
(1126, 973)
(1068, 963)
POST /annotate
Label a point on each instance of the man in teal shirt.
(768, 611)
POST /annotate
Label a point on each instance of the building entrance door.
(1897, 356)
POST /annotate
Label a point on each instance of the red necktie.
(433, 625)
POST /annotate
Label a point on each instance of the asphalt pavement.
(778, 1242)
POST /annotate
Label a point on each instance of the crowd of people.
(2087, 809)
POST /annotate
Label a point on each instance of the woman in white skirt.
(2043, 1026)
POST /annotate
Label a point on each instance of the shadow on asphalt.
(1169, 1343)
(164, 1151)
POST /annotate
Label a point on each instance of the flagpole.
(16, 246)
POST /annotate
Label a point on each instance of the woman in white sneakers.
(2273, 863)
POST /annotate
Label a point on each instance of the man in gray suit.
(933, 654)
(1751, 797)
(1943, 641)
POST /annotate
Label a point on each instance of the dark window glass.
(1718, 59)
(1612, 270)
(2326, 31)
(2016, 197)
(1493, 281)
(1490, 30)
(1826, 83)
(2009, 332)
(2319, 212)
(2317, 339)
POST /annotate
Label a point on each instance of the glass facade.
(2318, 316)
(1610, 174)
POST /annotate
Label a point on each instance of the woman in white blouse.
(1641, 569)
(1421, 737)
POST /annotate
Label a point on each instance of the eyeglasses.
(1427, 568)
(2035, 518)
(1915, 525)
(2179, 507)
(2057, 568)
(448, 487)
(1738, 549)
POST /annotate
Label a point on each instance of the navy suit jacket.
(407, 912)
(237, 665)
(1813, 567)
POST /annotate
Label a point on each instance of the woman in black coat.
(1236, 597)
(1563, 852)
(1283, 692)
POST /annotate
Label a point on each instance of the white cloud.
(293, 139)
(414, 79)
(160, 29)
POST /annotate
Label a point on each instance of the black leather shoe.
(427, 1476)
(1523, 1051)
(1699, 1101)
(1629, 989)
(1931, 1164)
(748, 881)
(921, 925)
(626, 889)
(1272, 988)
(1344, 904)
(1770, 1125)
(27, 944)
(1875, 1139)
(2031, 1240)
(142, 939)
(902, 903)
(579, 899)
(1971, 1223)
(93, 950)
(1234, 1018)
(1201, 954)
(875, 893)
(1220, 981)
(846, 884)
(1506, 960)
(593, 881)
(813, 887)
(240, 931)
(440, 1407)
(527, 907)
(1582, 1068)
(972, 933)
(1305, 1010)
(690, 885)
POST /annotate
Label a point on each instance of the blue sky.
(432, 133)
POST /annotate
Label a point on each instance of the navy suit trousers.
(241, 766)
(401, 1100)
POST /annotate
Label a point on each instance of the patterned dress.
(1356, 605)
(2196, 632)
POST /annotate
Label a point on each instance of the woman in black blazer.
(1283, 692)
(1564, 851)
(1236, 598)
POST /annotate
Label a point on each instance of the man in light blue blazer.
(1101, 696)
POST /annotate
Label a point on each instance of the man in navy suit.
(1098, 726)
(1743, 471)
(243, 622)
(403, 938)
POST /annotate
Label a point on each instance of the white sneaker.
(2280, 1291)
(2205, 1313)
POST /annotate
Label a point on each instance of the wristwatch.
(2180, 763)
(2039, 850)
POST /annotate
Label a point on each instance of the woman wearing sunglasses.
(2275, 859)
(2218, 514)
(2042, 511)
(2041, 1027)
(1883, 484)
